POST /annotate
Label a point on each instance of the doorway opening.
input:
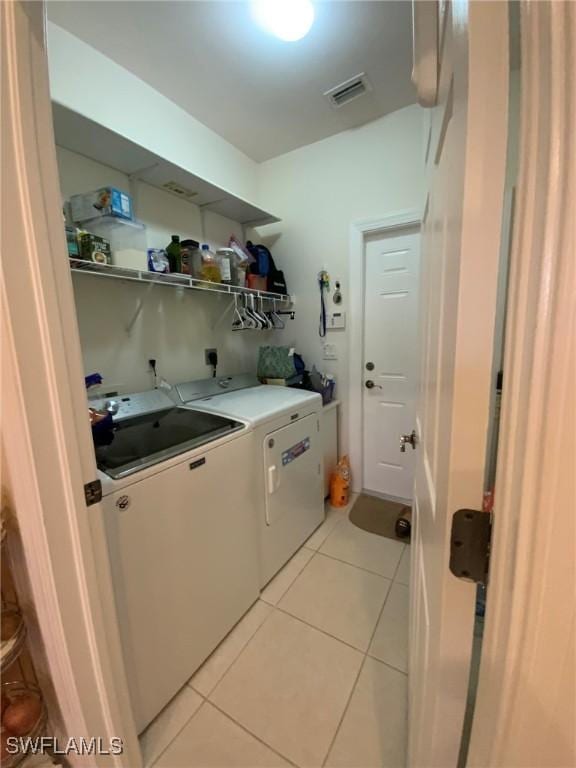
(384, 342)
(339, 552)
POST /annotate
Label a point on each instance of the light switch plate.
(330, 352)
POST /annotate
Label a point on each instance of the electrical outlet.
(211, 356)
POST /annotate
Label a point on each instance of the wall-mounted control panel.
(335, 321)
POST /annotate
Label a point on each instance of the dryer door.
(293, 467)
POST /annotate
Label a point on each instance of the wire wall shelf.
(173, 280)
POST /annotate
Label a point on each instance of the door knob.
(411, 439)
(370, 385)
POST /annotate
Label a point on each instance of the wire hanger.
(265, 315)
(249, 314)
(277, 321)
(237, 319)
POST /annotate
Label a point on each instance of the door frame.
(40, 346)
(525, 706)
(360, 230)
(48, 456)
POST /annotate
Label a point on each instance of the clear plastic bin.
(128, 240)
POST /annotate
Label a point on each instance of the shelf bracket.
(138, 310)
(136, 175)
(223, 314)
(211, 202)
(134, 178)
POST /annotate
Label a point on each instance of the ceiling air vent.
(349, 90)
(179, 190)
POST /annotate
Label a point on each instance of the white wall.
(174, 326)
(164, 214)
(318, 191)
(87, 82)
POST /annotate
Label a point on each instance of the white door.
(390, 362)
(460, 249)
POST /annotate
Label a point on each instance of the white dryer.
(287, 424)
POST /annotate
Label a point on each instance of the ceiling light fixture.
(290, 20)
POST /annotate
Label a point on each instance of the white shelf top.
(172, 279)
(77, 133)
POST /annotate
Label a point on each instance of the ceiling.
(261, 94)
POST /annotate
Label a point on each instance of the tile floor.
(313, 675)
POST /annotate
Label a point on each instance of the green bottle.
(174, 253)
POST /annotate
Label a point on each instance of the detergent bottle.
(340, 483)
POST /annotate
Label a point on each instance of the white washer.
(288, 457)
(184, 555)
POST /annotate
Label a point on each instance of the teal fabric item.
(275, 363)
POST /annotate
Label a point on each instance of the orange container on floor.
(340, 483)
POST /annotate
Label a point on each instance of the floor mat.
(377, 515)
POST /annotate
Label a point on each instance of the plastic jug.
(210, 271)
(340, 483)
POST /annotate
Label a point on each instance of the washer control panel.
(137, 404)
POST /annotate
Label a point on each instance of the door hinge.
(93, 492)
(470, 545)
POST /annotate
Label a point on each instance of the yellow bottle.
(210, 271)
